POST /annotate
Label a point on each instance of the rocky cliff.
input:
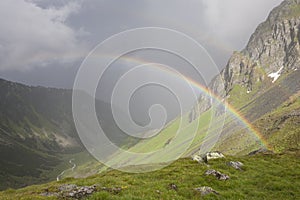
(259, 82)
(273, 50)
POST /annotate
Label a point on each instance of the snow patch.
(275, 75)
(248, 91)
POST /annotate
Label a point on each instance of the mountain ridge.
(263, 76)
(38, 134)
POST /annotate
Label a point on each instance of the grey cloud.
(46, 36)
(222, 26)
(32, 36)
(232, 21)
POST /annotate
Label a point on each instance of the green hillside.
(36, 133)
(273, 176)
(38, 137)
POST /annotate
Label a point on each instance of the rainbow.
(202, 89)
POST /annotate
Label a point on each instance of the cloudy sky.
(43, 42)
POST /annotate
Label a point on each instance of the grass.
(280, 128)
(237, 139)
(157, 142)
(264, 177)
(269, 114)
(294, 11)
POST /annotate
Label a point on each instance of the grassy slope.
(155, 143)
(257, 181)
(239, 99)
(239, 141)
(282, 126)
(30, 118)
(279, 126)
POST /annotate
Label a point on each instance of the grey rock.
(208, 156)
(213, 155)
(172, 186)
(74, 191)
(72, 194)
(206, 190)
(236, 165)
(197, 158)
(217, 174)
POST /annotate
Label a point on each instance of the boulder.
(214, 155)
(208, 156)
(217, 174)
(197, 158)
(206, 190)
(172, 186)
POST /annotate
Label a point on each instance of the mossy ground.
(264, 177)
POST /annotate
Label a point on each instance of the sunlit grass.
(263, 177)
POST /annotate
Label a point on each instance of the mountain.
(260, 89)
(35, 126)
(260, 83)
(263, 81)
(260, 86)
(38, 136)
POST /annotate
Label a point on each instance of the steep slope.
(261, 78)
(248, 84)
(38, 135)
(274, 47)
(35, 126)
(26, 110)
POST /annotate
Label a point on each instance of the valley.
(250, 112)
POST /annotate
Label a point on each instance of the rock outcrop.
(72, 191)
(274, 47)
(273, 50)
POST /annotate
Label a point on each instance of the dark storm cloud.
(32, 36)
(45, 38)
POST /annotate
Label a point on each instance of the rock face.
(256, 81)
(273, 49)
